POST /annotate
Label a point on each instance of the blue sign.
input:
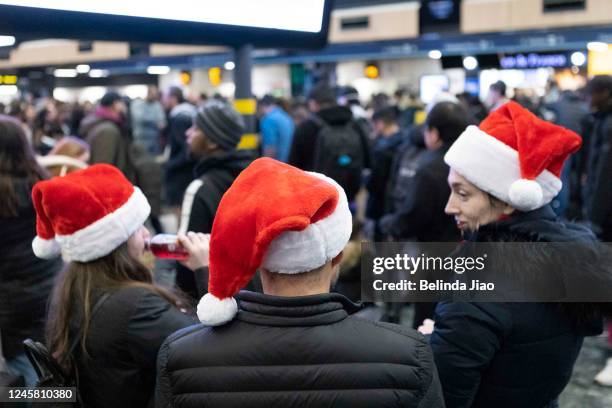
(533, 60)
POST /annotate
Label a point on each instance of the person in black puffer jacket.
(512, 354)
(25, 281)
(212, 140)
(295, 345)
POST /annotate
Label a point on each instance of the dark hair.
(499, 87)
(600, 83)
(177, 93)
(77, 289)
(268, 100)
(388, 115)
(323, 94)
(350, 93)
(449, 119)
(17, 161)
(109, 98)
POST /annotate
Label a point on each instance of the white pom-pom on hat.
(525, 195)
(46, 248)
(213, 311)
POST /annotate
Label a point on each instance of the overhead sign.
(305, 15)
(600, 62)
(8, 79)
(533, 60)
(182, 21)
(439, 16)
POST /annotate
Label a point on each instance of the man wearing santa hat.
(296, 344)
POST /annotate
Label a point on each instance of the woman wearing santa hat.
(107, 318)
(503, 175)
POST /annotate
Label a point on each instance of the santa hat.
(276, 217)
(514, 156)
(86, 214)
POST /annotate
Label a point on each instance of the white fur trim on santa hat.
(493, 166)
(106, 234)
(213, 311)
(46, 248)
(301, 251)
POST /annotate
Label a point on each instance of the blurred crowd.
(110, 131)
(387, 155)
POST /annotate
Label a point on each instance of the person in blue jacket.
(276, 129)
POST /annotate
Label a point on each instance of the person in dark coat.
(597, 169)
(107, 317)
(212, 141)
(104, 131)
(421, 216)
(390, 137)
(503, 176)
(570, 112)
(323, 106)
(179, 168)
(25, 281)
(296, 344)
(404, 168)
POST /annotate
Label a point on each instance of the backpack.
(340, 154)
(49, 371)
(403, 171)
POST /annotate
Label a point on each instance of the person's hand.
(427, 327)
(197, 245)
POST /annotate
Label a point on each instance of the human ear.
(508, 209)
(337, 259)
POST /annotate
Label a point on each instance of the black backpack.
(340, 154)
(49, 371)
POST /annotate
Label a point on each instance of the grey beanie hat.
(221, 123)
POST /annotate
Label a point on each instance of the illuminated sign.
(304, 15)
(214, 76)
(600, 62)
(533, 60)
(260, 22)
(371, 71)
(8, 79)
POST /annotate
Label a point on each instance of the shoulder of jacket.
(131, 294)
(189, 331)
(402, 331)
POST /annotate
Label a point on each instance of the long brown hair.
(79, 286)
(17, 161)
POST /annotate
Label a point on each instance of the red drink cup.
(167, 246)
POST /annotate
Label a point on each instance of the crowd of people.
(264, 311)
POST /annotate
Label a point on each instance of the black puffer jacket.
(297, 352)
(512, 354)
(25, 280)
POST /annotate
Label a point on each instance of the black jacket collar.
(231, 160)
(314, 310)
(541, 225)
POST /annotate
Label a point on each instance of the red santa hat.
(276, 217)
(514, 156)
(86, 214)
